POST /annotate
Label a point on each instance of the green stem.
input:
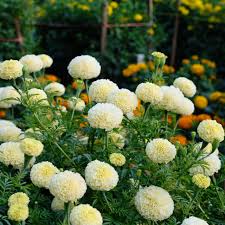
(68, 208)
(107, 202)
(193, 200)
(106, 141)
(87, 90)
(166, 118)
(147, 112)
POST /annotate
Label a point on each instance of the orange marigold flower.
(151, 65)
(214, 96)
(195, 57)
(202, 117)
(127, 73)
(198, 69)
(180, 139)
(61, 101)
(85, 98)
(142, 66)
(185, 61)
(75, 85)
(185, 122)
(2, 114)
(51, 77)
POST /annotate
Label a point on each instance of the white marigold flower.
(201, 180)
(210, 130)
(186, 86)
(84, 214)
(10, 133)
(105, 116)
(124, 99)
(36, 95)
(101, 176)
(160, 150)
(76, 104)
(11, 154)
(192, 220)
(187, 107)
(172, 99)
(212, 165)
(11, 69)
(117, 159)
(154, 203)
(117, 139)
(31, 63)
(46, 60)
(84, 67)
(149, 92)
(31, 147)
(18, 198)
(18, 212)
(42, 173)
(67, 186)
(9, 97)
(55, 89)
(6, 123)
(100, 89)
(57, 205)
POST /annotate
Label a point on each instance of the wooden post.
(18, 31)
(104, 27)
(175, 35)
(151, 21)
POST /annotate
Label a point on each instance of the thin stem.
(167, 117)
(192, 201)
(87, 90)
(107, 202)
(147, 112)
(106, 141)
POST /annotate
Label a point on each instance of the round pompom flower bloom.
(18, 198)
(124, 99)
(6, 123)
(84, 67)
(149, 92)
(161, 150)
(18, 212)
(36, 95)
(186, 86)
(9, 97)
(154, 203)
(31, 147)
(210, 130)
(99, 90)
(67, 186)
(57, 204)
(76, 104)
(10, 133)
(105, 116)
(198, 69)
(31, 63)
(201, 180)
(46, 60)
(41, 174)
(84, 214)
(192, 220)
(187, 108)
(101, 176)
(201, 102)
(11, 154)
(55, 89)
(117, 159)
(11, 69)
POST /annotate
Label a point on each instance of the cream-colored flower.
(187, 107)
(57, 204)
(154, 203)
(105, 116)
(124, 99)
(117, 139)
(31, 63)
(31, 147)
(161, 150)
(117, 159)
(18, 198)
(55, 89)
(101, 176)
(85, 214)
(10, 69)
(9, 97)
(84, 67)
(10, 133)
(18, 212)
(37, 96)
(186, 86)
(100, 89)
(192, 220)
(210, 130)
(76, 104)
(6, 123)
(42, 173)
(201, 180)
(149, 92)
(67, 186)
(46, 60)
(11, 154)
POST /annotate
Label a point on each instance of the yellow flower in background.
(198, 69)
(84, 7)
(201, 180)
(184, 11)
(195, 57)
(200, 102)
(217, 8)
(185, 61)
(150, 32)
(110, 10)
(142, 66)
(138, 17)
(208, 7)
(117, 159)
(114, 5)
(214, 96)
